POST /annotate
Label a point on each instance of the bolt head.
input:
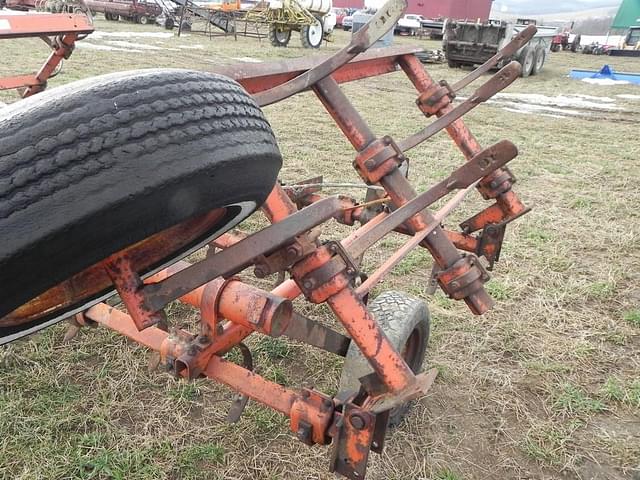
(357, 421)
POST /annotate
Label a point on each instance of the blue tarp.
(606, 72)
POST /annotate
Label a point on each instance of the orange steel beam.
(36, 25)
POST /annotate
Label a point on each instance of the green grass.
(569, 399)
(544, 381)
(632, 317)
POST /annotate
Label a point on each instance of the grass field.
(546, 385)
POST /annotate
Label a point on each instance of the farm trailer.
(138, 175)
(472, 43)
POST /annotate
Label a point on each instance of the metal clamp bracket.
(379, 159)
(463, 278)
(434, 99)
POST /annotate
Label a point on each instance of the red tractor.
(565, 41)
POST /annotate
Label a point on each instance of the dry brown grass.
(544, 386)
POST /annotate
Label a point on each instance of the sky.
(549, 6)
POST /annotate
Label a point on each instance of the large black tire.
(405, 321)
(311, 35)
(279, 37)
(539, 58)
(527, 60)
(95, 166)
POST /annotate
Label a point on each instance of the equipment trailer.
(165, 161)
(471, 43)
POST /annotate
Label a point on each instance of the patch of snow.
(2, 104)
(247, 59)
(530, 108)
(605, 81)
(613, 40)
(100, 34)
(125, 44)
(191, 47)
(93, 46)
(574, 101)
(629, 96)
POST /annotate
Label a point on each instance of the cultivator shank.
(330, 272)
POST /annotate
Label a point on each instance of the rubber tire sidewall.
(539, 52)
(304, 35)
(527, 61)
(103, 177)
(398, 315)
(273, 37)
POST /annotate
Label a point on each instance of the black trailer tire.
(540, 56)
(526, 59)
(92, 167)
(169, 23)
(279, 37)
(453, 64)
(405, 321)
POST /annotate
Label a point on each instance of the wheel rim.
(314, 34)
(412, 347)
(143, 20)
(282, 36)
(528, 62)
(93, 284)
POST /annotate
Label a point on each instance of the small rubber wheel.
(278, 36)
(311, 35)
(405, 321)
(143, 19)
(169, 23)
(527, 60)
(539, 58)
(104, 164)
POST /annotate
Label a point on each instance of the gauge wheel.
(151, 164)
(279, 36)
(311, 35)
(143, 19)
(405, 321)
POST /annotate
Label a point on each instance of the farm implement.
(109, 182)
(59, 31)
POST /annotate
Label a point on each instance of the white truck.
(473, 43)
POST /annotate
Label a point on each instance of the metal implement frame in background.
(59, 31)
(327, 272)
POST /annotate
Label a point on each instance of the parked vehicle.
(347, 22)
(433, 27)
(139, 11)
(471, 43)
(565, 41)
(630, 46)
(409, 24)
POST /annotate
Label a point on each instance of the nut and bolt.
(357, 421)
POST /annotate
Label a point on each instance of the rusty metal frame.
(59, 31)
(329, 272)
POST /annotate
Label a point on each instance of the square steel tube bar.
(259, 77)
(397, 186)
(37, 25)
